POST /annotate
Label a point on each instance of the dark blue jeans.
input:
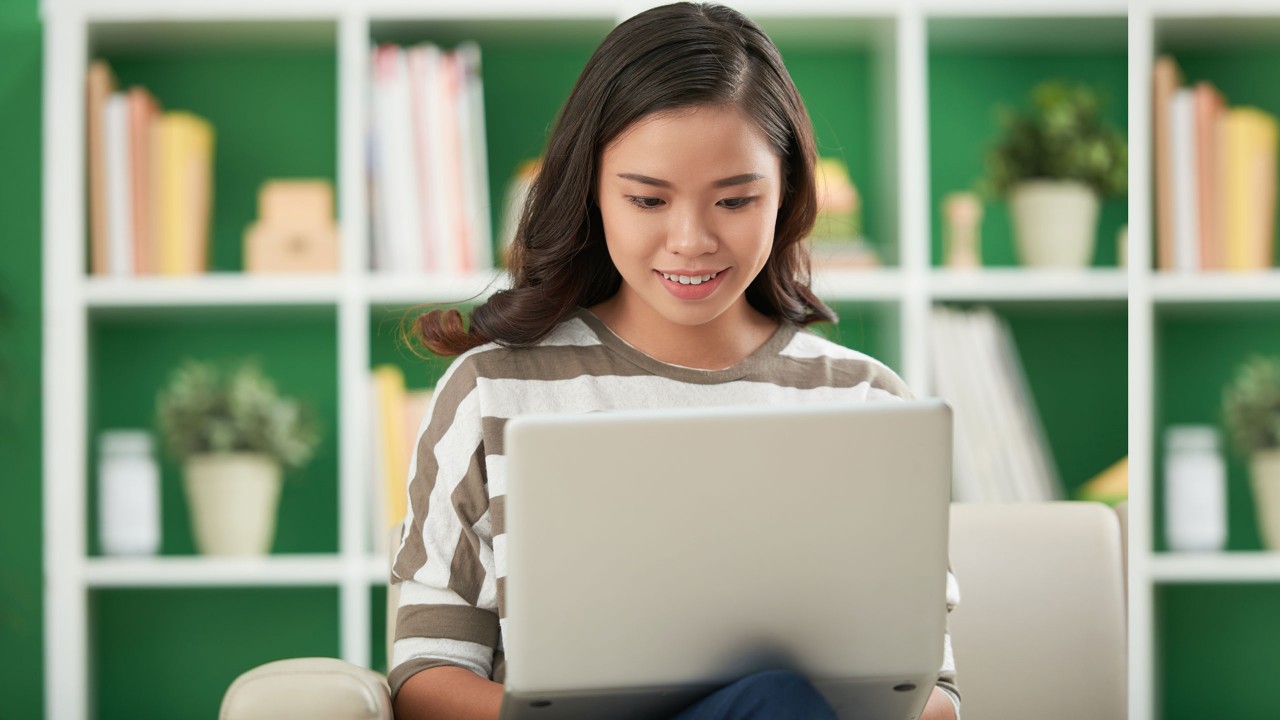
(769, 695)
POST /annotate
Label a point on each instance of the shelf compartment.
(528, 68)
(1197, 353)
(977, 64)
(268, 88)
(844, 65)
(1212, 640)
(1074, 359)
(212, 571)
(219, 632)
(131, 358)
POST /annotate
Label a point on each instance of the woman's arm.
(939, 707)
(448, 692)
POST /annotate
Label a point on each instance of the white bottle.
(128, 493)
(1195, 497)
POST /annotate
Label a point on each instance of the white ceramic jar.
(1195, 494)
(128, 493)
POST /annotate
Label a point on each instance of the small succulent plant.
(206, 408)
(1251, 406)
(1061, 137)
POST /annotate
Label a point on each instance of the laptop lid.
(656, 555)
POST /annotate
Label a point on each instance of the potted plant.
(1251, 410)
(1054, 163)
(233, 434)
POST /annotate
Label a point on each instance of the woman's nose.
(690, 234)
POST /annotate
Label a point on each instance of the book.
(100, 83)
(454, 239)
(423, 61)
(119, 185)
(398, 417)
(397, 182)
(428, 169)
(1001, 454)
(183, 188)
(1111, 486)
(389, 390)
(1209, 108)
(1184, 175)
(1167, 78)
(476, 167)
(1249, 188)
(143, 110)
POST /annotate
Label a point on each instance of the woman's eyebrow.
(742, 179)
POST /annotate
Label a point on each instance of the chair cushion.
(311, 688)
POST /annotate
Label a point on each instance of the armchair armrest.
(311, 688)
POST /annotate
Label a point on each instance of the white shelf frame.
(1215, 568)
(72, 301)
(202, 571)
(1153, 294)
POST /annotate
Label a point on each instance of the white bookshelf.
(1235, 567)
(1157, 26)
(179, 572)
(1018, 285)
(896, 32)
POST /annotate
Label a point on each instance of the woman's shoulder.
(494, 360)
(842, 364)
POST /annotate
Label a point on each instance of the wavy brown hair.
(669, 58)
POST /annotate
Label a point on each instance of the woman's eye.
(645, 203)
(736, 203)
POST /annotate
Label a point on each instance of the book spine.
(119, 186)
(1167, 78)
(1183, 165)
(100, 84)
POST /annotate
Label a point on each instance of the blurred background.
(253, 202)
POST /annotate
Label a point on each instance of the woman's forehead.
(719, 141)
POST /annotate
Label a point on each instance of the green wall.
(21, 655)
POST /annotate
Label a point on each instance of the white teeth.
(690, 280)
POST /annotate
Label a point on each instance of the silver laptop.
(656, 556)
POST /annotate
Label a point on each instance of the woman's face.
(689, 201)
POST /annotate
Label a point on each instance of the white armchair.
(1040, 630)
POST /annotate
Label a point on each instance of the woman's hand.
(939, 706)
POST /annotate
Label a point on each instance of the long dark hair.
(667, 58)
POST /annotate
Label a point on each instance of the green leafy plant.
(1061, 137)
(207, 408)
(1251, 406)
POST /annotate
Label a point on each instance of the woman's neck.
(721, 343)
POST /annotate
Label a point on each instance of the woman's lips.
(690, 286)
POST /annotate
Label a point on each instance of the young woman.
(658, 263)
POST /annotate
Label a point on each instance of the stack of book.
(428, 174)
(1215, 177)
(1001, 454)
(397, 416)
(150, 182)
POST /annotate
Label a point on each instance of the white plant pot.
(1054, 222)
(233, 499)
(1264, 470)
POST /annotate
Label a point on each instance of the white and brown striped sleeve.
(448, 599)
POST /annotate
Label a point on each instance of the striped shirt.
(452, 562)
